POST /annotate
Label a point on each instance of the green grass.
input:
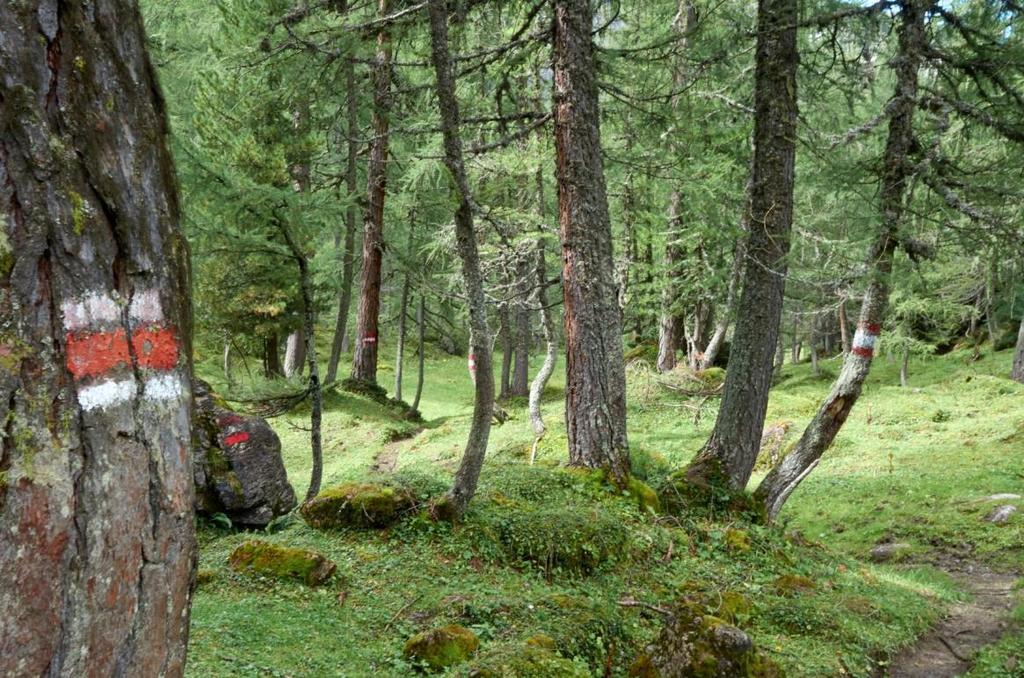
(910, 465)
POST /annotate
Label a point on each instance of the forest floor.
(549, 552)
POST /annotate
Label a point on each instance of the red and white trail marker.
(864, 339)
(100, 352)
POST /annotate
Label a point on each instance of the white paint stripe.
(106, 394)
(93, 308)
(864, 339)
(163, 387)
(146, 307)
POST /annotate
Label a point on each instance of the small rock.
(440, 648)
(1001, 514)
(885, 552)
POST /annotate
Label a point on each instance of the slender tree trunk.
(780, 358)
(904, 364)
(227, 361)
(1017, 373)
(732, 448)
(348, 254)
(468, 475)
(844, 326)
(505, 337)
(98, 546)
(402, 313)
(521, 313)
(420, 348)
(595, 374)
(815, 369)
(779, 484)
(547, 323)
(294, 353)
(364, 360)
(272, 357)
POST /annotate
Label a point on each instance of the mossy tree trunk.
(468, 474)
(897, 167)
(364, 360)
(96, 489)
(595, 404)
(732, 448)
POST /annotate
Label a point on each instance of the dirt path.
(949, 648)
(386, 460)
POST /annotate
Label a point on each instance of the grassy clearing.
(911, 465)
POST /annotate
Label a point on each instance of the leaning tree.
(95, 475)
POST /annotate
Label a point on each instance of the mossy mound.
(528, 661)
(440, 648)
(697, 645)
(737, 540)
(361, 505)
(647, 465)
(646, 498)
(794, 584)
(571, 539)
(278, 562)
(699, 492)
(712, 377)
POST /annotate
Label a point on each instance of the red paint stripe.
(91, 354)
(156, 348)
(863, 351)
(873, 328)
(235, 438)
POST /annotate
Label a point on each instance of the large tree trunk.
(98, 545)
(294, 353)
(1017, 373)
(595, 404)
(348, 253)
(468, 475)
(364, 360)
(732, 448)
(779, 484)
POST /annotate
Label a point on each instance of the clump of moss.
(645, 351)
(793, 584)
(438, 649)
(278, 562)
(648, 466)
(646, 498)
(528, 661)
(734, 607)
(205, 576)
(706, 491)
(712, 377)
(570, 539)
(363, 505)
(737, 540)
(703, 646)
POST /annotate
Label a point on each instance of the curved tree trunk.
(540, 381)
(98, 543)
(595, 404)
(364, 360)
(779, 484)
(468, 475)
(732, 448)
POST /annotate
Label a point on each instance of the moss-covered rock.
(528, 661)
(440, 648)
(279, 562)
(793, 584)
(571, 539)
(205, 576)
(362, 505)
(697, 645)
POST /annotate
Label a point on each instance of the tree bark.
(844, 326)
(420, 347)
(96, 488)
(505, 337)
(595, 402)
(732, 448)
(521, 314)
(227, 362)
(468, 474)
(348, 254)
(272, 357)
(294, 353)
(364, 360)
(904, 364)
(402, 312)
(1017, 373)
(780, 482)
